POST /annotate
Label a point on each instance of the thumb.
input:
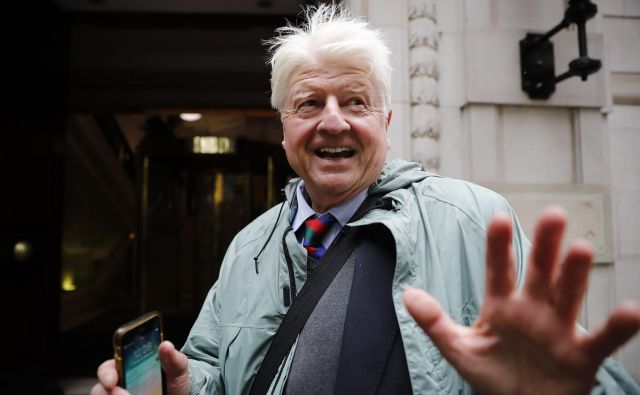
(424, 309)
(176, 367)
(427, 312)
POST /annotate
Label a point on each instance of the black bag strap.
(309, 296)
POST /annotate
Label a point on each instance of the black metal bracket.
(537, 59)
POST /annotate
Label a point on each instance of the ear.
(284, 144)
(388, 119)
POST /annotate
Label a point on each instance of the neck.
(323, 203)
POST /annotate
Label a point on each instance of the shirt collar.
(342, 213)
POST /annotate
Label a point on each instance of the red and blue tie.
(315, 229)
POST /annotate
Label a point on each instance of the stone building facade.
(458, 108)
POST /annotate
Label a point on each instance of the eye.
(308, 104)
(356, 101)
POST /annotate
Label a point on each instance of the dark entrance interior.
(147, 228)
(114, 201)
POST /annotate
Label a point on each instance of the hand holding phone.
(175, 366)
(137, 360)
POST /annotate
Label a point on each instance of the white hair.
(331, 37)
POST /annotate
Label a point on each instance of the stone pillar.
(423, 77)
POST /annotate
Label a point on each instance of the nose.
(332, 119)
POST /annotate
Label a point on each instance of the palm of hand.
(512, 351)
(526, 341)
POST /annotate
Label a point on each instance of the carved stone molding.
(425, 122)
(422, 9)
(423, 32)
(423, 62)
(424, 90)
(424, 74)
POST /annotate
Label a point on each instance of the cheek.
(291, 145)
(288, 138)
(295, 138)
(379, 141)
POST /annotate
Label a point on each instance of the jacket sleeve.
(202, 349)
(613, 379)
(207, 345)
(202, 346)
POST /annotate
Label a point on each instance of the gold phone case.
(126, 328)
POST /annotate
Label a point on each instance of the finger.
(544, 254)
(500, 274)
(173, 361)
(573, 281)
(107, 374)
(427, 312)
(623, 323)
(99, 389)
(176, 367)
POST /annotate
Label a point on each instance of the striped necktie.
(315, 229)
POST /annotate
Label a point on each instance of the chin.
(331, 186)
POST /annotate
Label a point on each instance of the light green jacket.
(439, 226)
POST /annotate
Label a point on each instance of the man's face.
(335, 133)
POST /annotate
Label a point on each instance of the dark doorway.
(31, 178)
(151, 200)
(149, 208)
(151, 203)
(111, 204)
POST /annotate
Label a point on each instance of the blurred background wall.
(458, 108)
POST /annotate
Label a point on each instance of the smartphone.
(135, 348)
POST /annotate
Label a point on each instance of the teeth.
(334, 150)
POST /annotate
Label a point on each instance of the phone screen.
(140, 362)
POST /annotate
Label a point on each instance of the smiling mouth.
(335, 153)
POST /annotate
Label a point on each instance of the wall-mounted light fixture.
(536, 53)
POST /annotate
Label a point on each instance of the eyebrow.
(309, 90)
(300, 94)
(356, 88)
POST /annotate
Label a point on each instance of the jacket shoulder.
(478, 203)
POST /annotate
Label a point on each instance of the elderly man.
(374, 234)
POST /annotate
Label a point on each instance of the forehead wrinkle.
(357, 87)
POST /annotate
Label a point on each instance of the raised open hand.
(526, 341)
